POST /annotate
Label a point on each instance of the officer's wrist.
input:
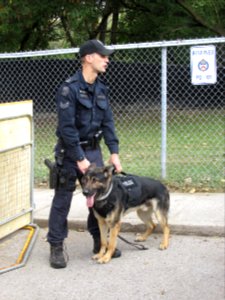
(81, 158)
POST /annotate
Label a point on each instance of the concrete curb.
(190, 214)
(129, 227)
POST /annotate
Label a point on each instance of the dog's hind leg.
(162, 218)
(146, 217)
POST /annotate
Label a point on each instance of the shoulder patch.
(64, 104)
(68, 80)
(65, 91)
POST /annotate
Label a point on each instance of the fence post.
(163, 111)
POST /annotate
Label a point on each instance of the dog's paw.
(140, 238)
(163, 246)
(105, 259)
(96, 256)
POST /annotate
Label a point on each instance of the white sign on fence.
(203, 65)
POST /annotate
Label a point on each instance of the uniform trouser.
(58, 225)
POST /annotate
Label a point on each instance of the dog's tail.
(164, 202)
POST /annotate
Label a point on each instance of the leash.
(117, 174)
(138, 246)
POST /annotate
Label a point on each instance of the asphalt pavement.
(192, 268)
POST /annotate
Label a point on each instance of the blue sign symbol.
(203, 65)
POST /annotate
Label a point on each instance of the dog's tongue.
(90, 201)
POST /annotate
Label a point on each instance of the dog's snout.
(85, 192)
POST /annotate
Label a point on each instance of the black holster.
(59, 177)
(53, 174)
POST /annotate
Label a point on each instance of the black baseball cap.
(94, 46)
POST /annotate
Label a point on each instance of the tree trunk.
(116, 9)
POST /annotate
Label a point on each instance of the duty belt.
(89, 144)
(92, 143)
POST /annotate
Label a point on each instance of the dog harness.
(131, 190)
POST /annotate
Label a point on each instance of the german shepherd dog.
(111, 200)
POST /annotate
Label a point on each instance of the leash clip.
(138, 246)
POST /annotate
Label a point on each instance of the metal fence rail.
(168, 128)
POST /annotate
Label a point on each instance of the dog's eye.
(94, 180)
(83, 180)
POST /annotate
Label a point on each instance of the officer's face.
(99, 62)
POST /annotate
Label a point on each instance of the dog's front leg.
(113, 234)
(103, 236)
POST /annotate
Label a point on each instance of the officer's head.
(94, 46)
(95, 56)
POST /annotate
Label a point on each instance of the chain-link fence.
(168, 128)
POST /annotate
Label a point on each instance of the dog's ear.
(92, 166)
(108, 170)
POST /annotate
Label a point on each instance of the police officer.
(84, 116)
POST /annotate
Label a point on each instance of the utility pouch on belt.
(59, 177)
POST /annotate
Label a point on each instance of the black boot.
(97, 245)
(58, 256)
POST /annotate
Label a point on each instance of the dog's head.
(95, 182)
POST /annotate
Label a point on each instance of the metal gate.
(16, 173)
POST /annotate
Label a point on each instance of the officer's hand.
(83, 165)
(114, 160)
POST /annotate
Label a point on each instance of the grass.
(195, 148)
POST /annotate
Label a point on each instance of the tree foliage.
(30, 25)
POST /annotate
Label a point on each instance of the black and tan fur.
(102, 185)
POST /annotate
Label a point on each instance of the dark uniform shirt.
(83, 110)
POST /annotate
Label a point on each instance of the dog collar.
(103, 197)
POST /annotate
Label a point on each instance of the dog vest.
(131, 189)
